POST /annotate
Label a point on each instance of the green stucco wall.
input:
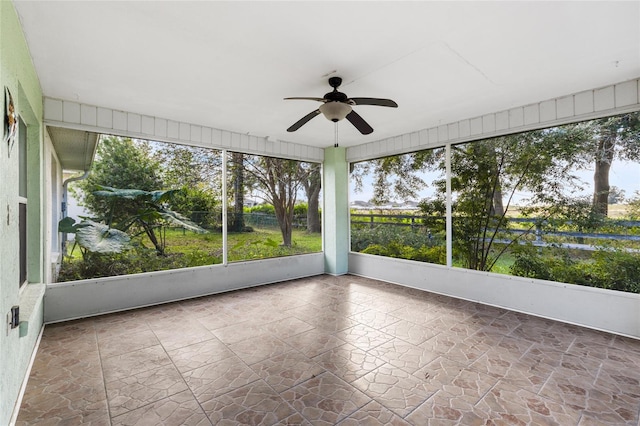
(17, 73)
(336, 211)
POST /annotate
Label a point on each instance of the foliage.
(435, 254)
(633, 208)
(197, 203)
(396, 178)
(261, 208)
(95, 237)
(109, 237)
(137, 260)
(185, 249)
(609, 269)
(119, 163)
(386, 240)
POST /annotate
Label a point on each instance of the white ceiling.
(229, 65)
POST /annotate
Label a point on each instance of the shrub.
(609, 269)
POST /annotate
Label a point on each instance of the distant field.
(616, 211)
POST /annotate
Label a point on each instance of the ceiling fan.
(337, 106)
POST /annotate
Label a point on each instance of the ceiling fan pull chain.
(335, 145)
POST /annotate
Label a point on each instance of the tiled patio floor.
(330, 350)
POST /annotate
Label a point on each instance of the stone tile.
(294, 420)
(542, 333)
(127, 364)
(187, 333)
(119, 324)
(53, 373)
(348, 362)
(86, 404)
(314, 342)
(212, 380)
(344, 308)
(129, 393)
(506, 404)
(219, 319)
(194, 356)
(287, 327)
(393, 387)
(410, 332)
(238, 332)
(570, 384)
(55, 334)
(254, 404)
(111, 345)
(404, 355)
(331, 323)
(615, 395)
(374, 318)
(177, 409)
(445, 409)
(325, 399)
(626, 344)
(416, 314)
(363, 336)
(257, 349)
(284, 371)
(373, 414)
(502, 357)
(455, 380)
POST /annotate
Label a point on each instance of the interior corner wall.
(18, 75)
(335, 211)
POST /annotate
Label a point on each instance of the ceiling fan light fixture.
(335, 111)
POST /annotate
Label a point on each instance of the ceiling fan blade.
(306, 99)
(374, 101)
(362, 126)
(303, 121)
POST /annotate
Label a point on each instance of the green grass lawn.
(186, 248)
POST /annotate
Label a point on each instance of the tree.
(119, 163)
(397, 176)
(197, 172)
(312, 187)
(486, 175)
(608, 139)
(486, 171)
(280, 181)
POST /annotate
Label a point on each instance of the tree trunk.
(312, 186)
(313, 212)
(285, 219)
(604, 157)
(237, 222)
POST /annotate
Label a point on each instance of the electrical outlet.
(15, 316)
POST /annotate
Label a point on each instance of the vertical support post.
(449, 239)
(335, 212)
(224, 207)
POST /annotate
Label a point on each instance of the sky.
(624, 175)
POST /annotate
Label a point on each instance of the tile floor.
(330, 350)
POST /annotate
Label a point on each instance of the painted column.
(335, 211)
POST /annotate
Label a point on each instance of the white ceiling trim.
(605, 101)
(78, 116)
